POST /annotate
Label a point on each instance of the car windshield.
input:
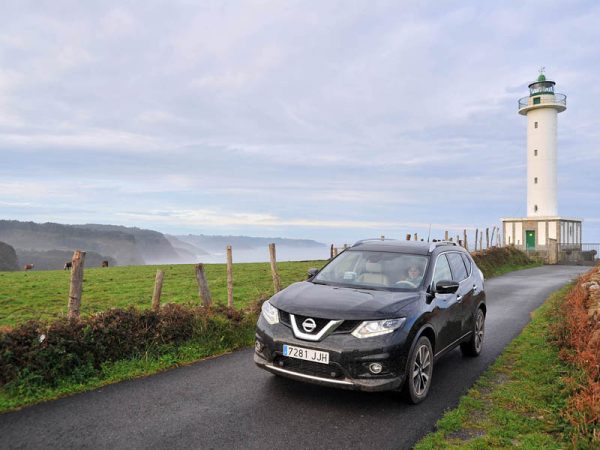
(375, 270)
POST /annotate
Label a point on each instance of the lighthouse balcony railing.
(553, 99)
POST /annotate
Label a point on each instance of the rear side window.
(442, 270)
(459, 271)
(467, 262)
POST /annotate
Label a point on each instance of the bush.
(579, 336)
(43, 353)
(490, 260)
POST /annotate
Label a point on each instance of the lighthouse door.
(530, 239)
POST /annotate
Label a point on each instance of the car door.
(464, 297)
(446, 310)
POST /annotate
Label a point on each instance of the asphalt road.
(227, 402)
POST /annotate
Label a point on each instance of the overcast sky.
(319, 119)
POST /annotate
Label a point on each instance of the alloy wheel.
(479, 330)
(422, 370)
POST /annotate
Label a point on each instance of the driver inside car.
(414, 275)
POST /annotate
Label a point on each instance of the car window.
(467, 262)
(459, 271)
(374, 269)
(442, 270)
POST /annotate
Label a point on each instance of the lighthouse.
(542, 224)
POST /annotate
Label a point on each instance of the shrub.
(43, 353)
(490, 260)
(579, 335)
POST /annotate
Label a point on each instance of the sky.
(329, 120)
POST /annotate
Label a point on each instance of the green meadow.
(43, 295)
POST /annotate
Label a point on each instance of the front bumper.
(385, 384)
(349, 358)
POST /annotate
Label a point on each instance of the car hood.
(332, 302)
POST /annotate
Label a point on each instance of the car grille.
(321, 323)
(347, 326)
(308, 367)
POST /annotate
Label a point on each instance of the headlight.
(270, 313)
(377, 327)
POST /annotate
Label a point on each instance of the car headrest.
(373, 267)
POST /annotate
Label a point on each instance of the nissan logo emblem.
(309, 325)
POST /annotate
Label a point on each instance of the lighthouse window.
(535, 152)
(535, 208)
(535, 180)
(535, 124)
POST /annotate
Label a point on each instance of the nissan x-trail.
(375, 318)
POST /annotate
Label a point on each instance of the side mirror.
(312, 272)
(446, 287)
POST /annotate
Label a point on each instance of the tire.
(418, 371)
(474, 346)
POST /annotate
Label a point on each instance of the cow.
(104, 263)
(28, 267)
(68, 265)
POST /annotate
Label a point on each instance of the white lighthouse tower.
(541, 107)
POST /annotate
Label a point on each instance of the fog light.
(375, 368)
(258, 346)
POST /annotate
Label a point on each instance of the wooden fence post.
(203, 289)
(408, 236)
(229, 277)
(76, 287)
(492, 237)
(465, 243)
(416, 237)
(331, 252)
(446, 235)
(276, 279)
(158, 282)
(476, 237)
(487, 238)
(481, 241)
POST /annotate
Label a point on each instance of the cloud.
(340, 115)
(205, 217)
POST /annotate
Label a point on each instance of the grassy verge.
(518, 402)
(210, 341)
(24, 392)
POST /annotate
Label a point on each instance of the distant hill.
(52, 244)
(117, 244)
(8, 258)
(153, 247)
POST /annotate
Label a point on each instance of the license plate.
(306, 354)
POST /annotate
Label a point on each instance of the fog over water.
(262, 255)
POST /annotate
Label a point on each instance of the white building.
(542, 222)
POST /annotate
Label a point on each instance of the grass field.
(43, 295)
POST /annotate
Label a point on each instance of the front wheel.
(475, 344)
(419, 371)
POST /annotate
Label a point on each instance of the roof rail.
(439, 243)
(362, 241)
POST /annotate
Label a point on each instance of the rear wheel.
(475, 344)
(419, 371)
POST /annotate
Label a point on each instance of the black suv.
(375, 317)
